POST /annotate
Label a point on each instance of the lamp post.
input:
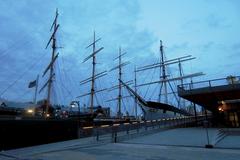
(73, 105)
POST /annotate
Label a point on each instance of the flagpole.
(36, 89)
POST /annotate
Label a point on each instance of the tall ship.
(92, 80)
(42, 122)
(160, 109)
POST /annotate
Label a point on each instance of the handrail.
(231, 80)
(115, 132)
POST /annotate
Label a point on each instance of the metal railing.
(230, 80)
(118, 132)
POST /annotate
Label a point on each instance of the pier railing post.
(185, 121)
(209, 82)
(114, 134)
(97, 137)
(115, 137)
(146, 127)
(138, 127)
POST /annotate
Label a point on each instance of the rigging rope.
(58, 88)
(112, 107)
(63, 85)
(160, 93)
(127, 102)
(151, 81)
(14, 46)
(100, 94)
(21, 76)
(70, 80)
(96, 100)
(26, 92)
(153, 93)
(124, 106)
(174, 93)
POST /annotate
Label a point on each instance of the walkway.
(180, 144)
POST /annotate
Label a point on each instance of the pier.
(18, 133)
(220, 96)
(172, 143)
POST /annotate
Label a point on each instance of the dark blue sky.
(208, 30)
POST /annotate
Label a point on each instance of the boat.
(41, 122)
(153, 110)
(156, 110)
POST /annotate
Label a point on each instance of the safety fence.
(118, 132)
(230, 80)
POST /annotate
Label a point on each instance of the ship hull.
(155, 113)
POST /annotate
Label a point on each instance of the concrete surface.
(175, 144)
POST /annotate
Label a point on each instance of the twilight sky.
(208, 30)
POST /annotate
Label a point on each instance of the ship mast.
(119, 86)
(36, 89)
(181, 74)
(94, 75)
(135, 89)
(164, 80)
(50, 67)
(163, 76)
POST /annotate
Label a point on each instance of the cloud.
(196, 28)
(208, 22)
(27, 25)
(234, 51)
(181, 46)
(236, 47)
(208, 46)
(216, 22)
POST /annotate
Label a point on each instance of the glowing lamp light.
(220, 109)
(30, 111)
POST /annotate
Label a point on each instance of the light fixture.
(30, 111)
(220, 109)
